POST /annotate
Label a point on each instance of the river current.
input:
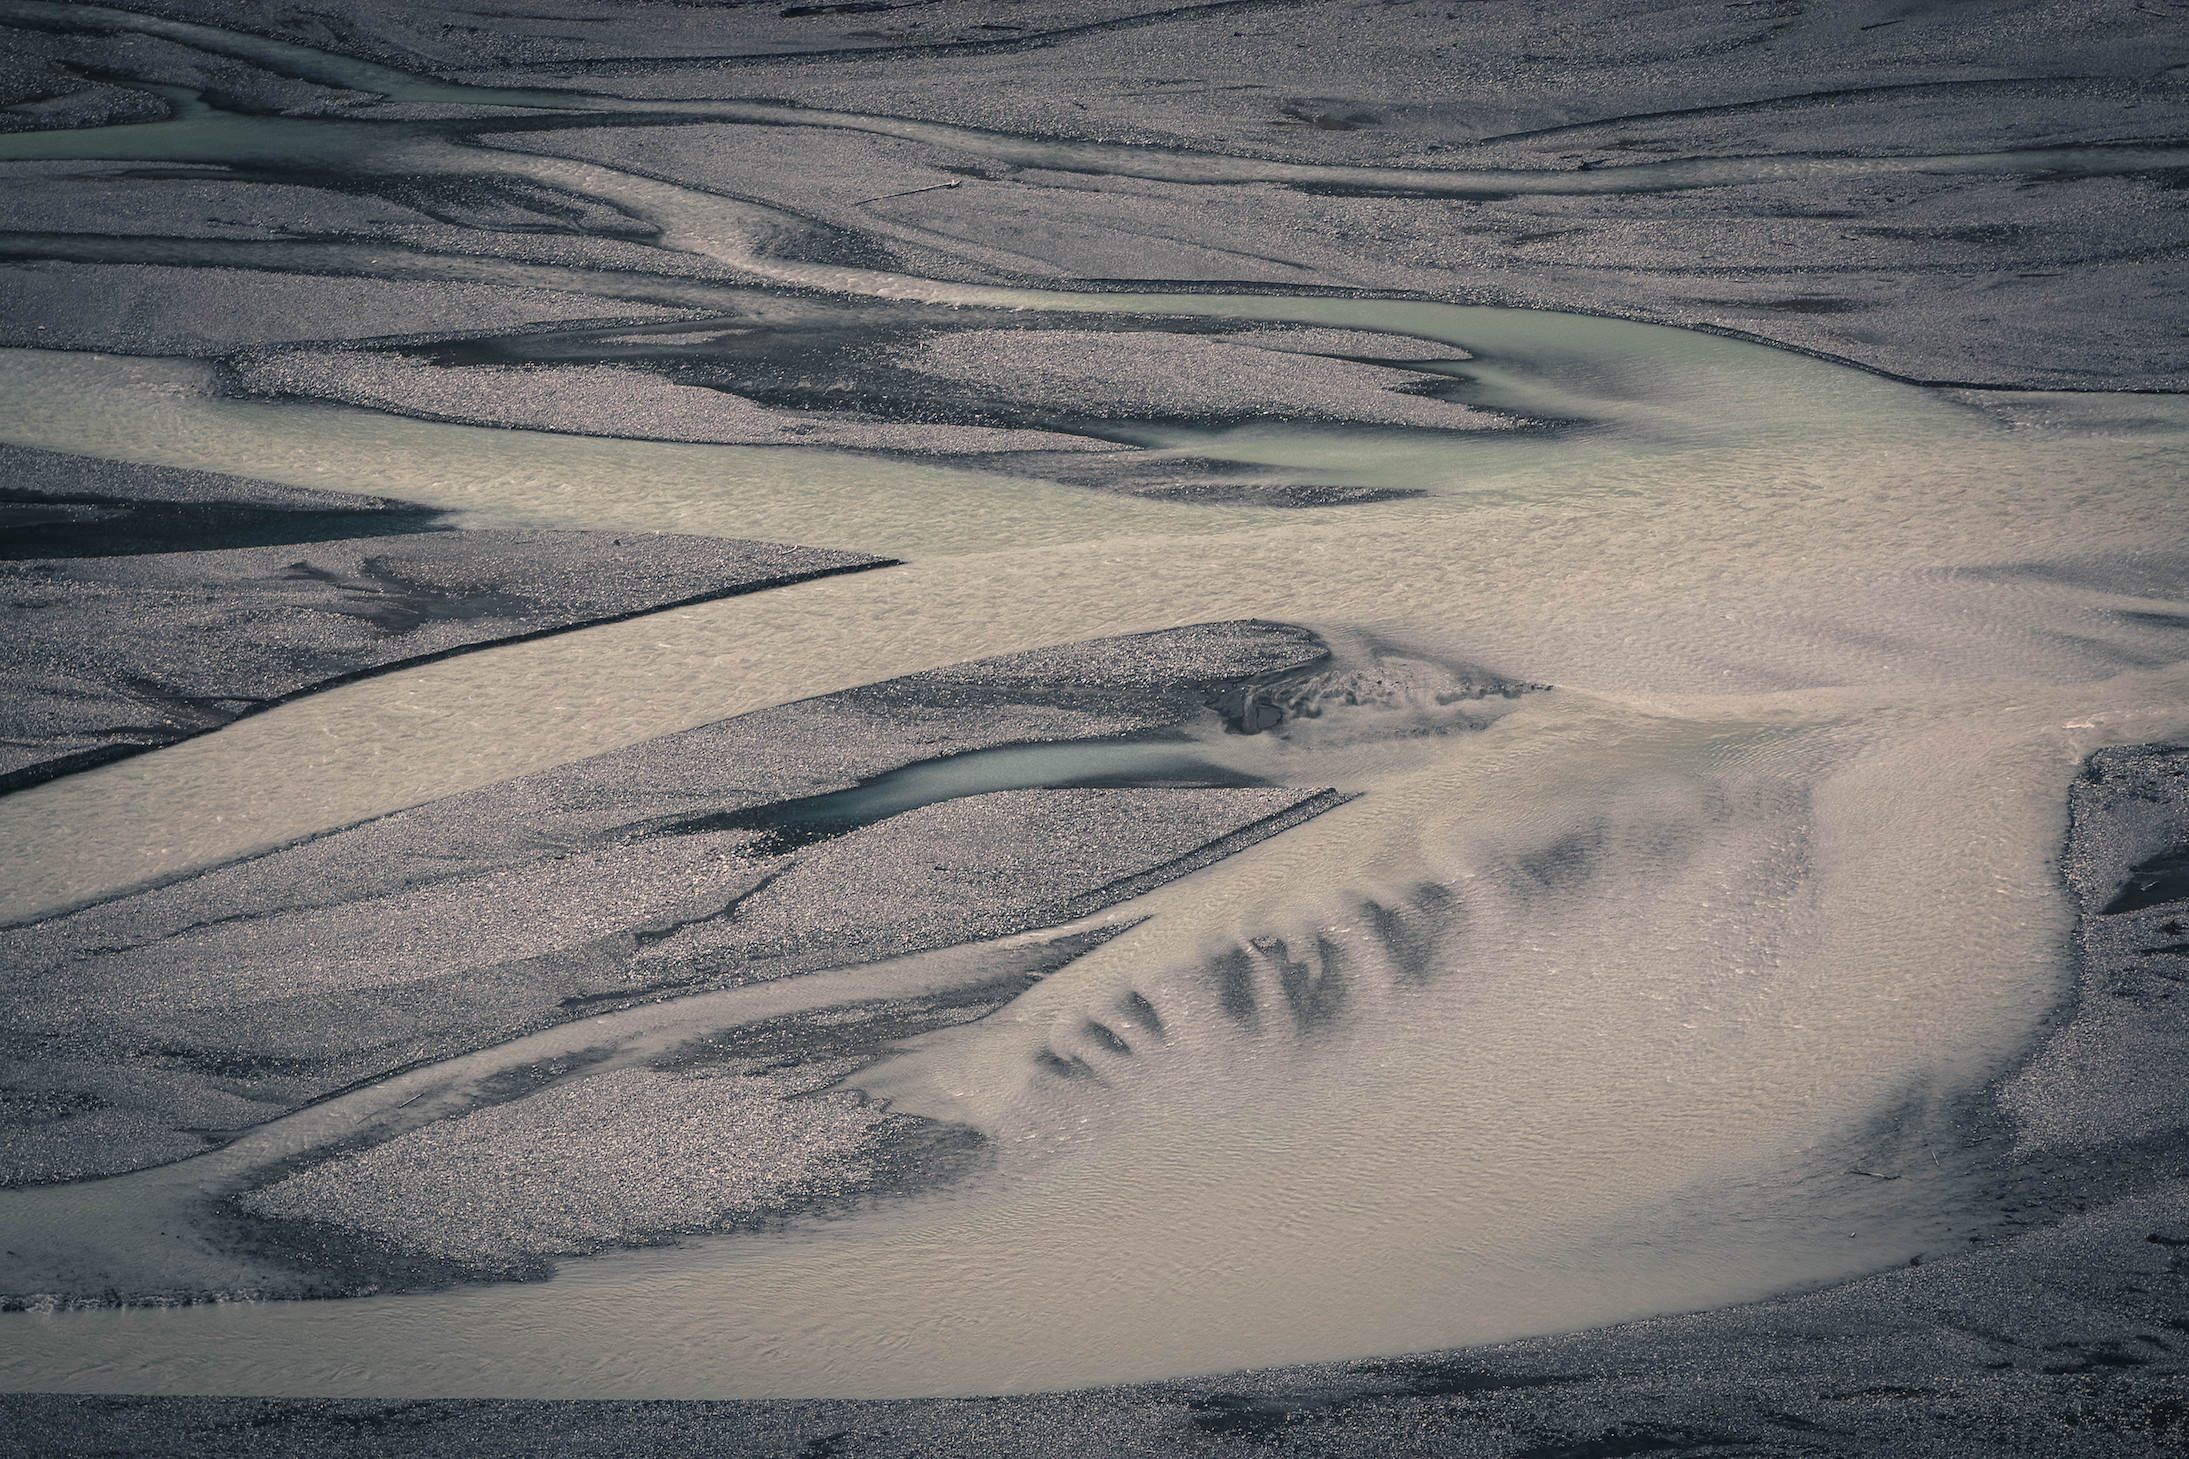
(1623, 1000)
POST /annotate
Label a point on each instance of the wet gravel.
(2065, 1340)
(597, 1162)
(112, 654)
(2062, 1341)
(137, 1026)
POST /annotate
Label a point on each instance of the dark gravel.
(107, 655)
(135, 1025)
(2066, 1340)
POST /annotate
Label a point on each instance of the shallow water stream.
(1621, 1000)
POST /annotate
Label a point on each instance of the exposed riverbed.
(1700, 718)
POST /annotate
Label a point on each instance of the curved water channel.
(1620, 1000)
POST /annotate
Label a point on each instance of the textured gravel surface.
(110, 655)
(2112, 1076)
(1933, 189)
(2045, 275)
(1168, 377)
(134, 1025)
(582, 1165)
(162, 310)
(2063, 1343)
(728, 1130)
(606, 400)
(930, 383)
(54, 505)
(2064, 1340)
(1038, 393)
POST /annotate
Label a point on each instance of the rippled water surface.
(1585, 1006)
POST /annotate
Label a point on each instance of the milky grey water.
(1771, 864)
(1589, 1009)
